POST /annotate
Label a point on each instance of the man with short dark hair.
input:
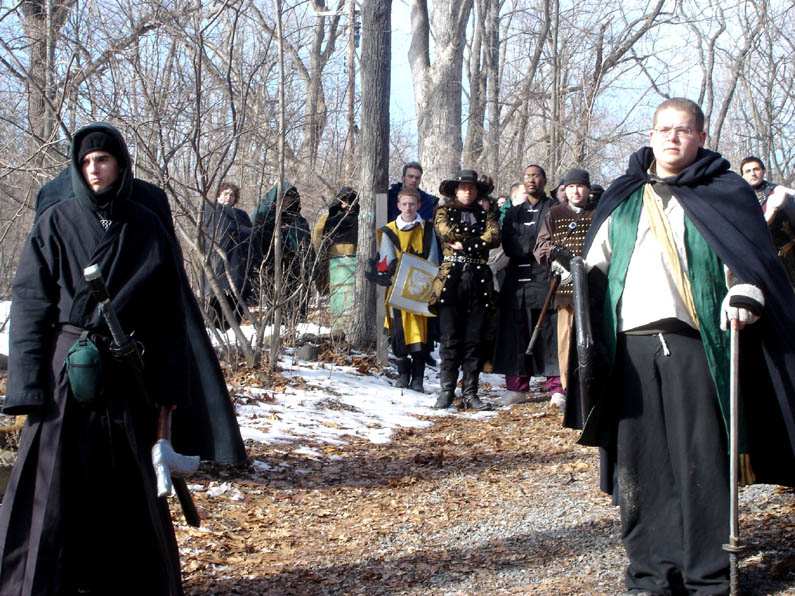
(778, 205)
(226, 231)
(677, 248)
(412, 178)
(522, 295)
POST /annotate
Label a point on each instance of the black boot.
(445, 399)
(404, 373)
(417, 372)
(471, 399)
(448, 375)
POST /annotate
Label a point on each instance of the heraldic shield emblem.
(413, 285)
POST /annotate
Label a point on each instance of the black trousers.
(672, 465)
(461, 324)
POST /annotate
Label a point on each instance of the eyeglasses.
(677, 131)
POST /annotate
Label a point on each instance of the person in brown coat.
(561, 237)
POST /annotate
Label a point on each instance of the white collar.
(407, 225)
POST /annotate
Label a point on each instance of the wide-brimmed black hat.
(448, 187)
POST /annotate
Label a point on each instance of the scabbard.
(186, 502)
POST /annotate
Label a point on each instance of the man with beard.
(81, 513)
(677, 249)
(778, 205)
(560, 238)
(412, 178)
(522, 295)
(462, 291)
(227, 229)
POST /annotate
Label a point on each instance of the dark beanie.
(576, 176)
(100, 141)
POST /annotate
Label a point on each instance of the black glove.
(562, 255)
(382, 278)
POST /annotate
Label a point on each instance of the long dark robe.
(229, 229)
(208, 427)
(81, 505)
(725, 211)
(521, 301)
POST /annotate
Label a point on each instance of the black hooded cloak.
(81, 509)
(208, 426)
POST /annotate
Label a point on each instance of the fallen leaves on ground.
(505, 505)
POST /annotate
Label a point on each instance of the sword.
(164, 457)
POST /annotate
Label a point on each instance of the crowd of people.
(676, 250)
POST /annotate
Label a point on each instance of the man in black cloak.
(81, 514)
(208, 427)
(677, 248)
(226, 240)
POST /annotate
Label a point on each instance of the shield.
(413, 285)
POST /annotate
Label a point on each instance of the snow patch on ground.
(301, 329)
(336, 404)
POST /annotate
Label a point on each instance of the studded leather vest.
(568, 228)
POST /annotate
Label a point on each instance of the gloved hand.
(562, 255)
(558, 269)
(382, 278)
(166, 462)
(744, 303)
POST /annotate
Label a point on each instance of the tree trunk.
(374, 151)
(437, 85)
(43, 20)
(493, 87)
(473, 144)
(277, 226)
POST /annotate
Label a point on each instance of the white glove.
(167, 461)
(744, 303)
(565, 275)
(776, 200)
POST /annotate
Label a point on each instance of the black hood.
(123, 186)
(707, 165)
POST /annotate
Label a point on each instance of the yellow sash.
(661, 229)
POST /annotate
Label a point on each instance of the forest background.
(325, 95)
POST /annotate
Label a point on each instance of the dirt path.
(507, 505)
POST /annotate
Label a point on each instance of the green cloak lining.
(707, 281)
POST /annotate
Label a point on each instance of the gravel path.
(503, 505)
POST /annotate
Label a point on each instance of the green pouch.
(84, 370)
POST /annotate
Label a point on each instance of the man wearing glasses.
(678, 248)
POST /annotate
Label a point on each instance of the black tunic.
(522, 297)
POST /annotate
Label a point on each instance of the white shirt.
(650, 294)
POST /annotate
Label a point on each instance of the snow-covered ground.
(336, 402)
(331, 405)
